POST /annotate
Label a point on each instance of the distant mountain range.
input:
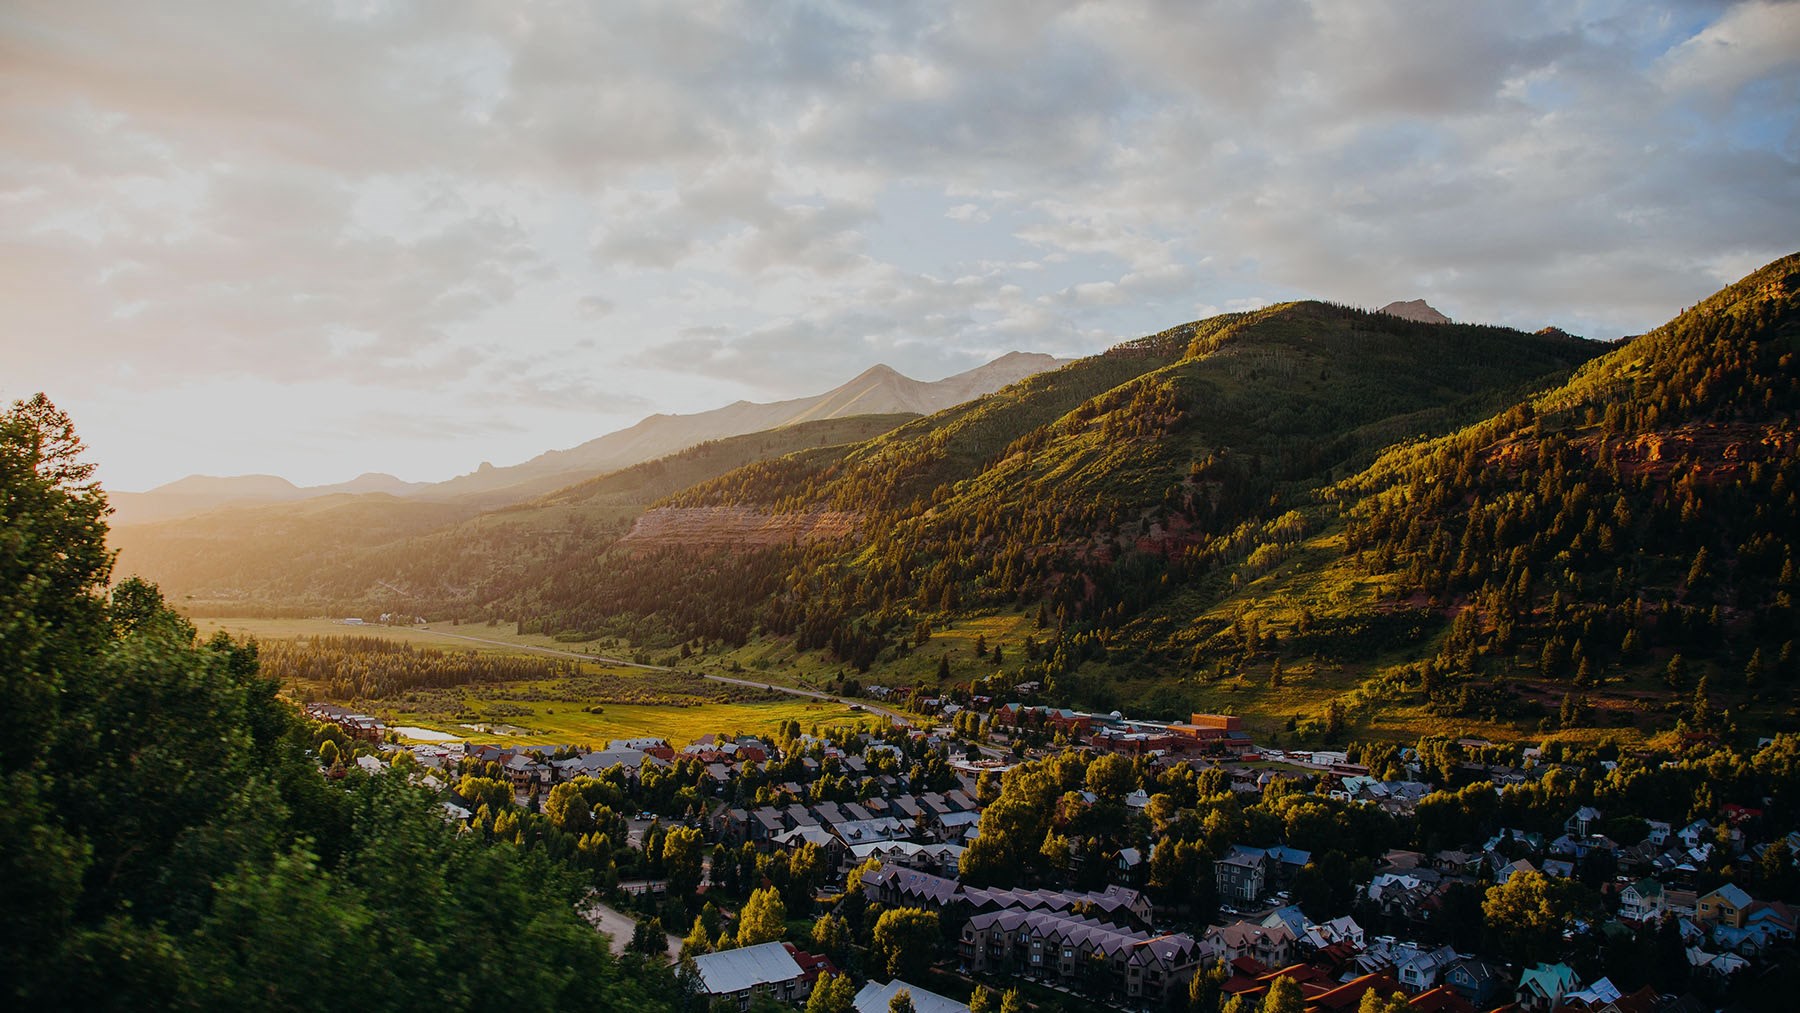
(880, 390)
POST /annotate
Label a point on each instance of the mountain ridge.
(878, 390)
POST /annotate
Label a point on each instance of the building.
(1543, 987)
(1242, 874)
(1481, 982)
(767, 969)
(1096, 957)
(874, 998)
(1725, 906)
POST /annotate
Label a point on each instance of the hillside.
(1330, 520)
(356, 553)
(1091, 492)
(1335, 522)
(1614, 552)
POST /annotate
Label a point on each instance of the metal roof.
(735, 970)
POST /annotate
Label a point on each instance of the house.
(1726, 906)
(1543, 987)
(1585, 821)
(1073, 950)
(937, 859)
(1268, 945)
(874, 998)
(1341, 930)
(766, 968)
(1642, 901)
(1241, 874)
(1130, 865)
(1777, 919)
(1511, 869)
(1481, 982)
(1420, 972)
(1720, 965)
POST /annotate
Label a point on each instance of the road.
(618, 927)
(891, 715)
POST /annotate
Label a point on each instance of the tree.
(763, 919)
(1206, 988)
(981, 1000)
(648, 937)
(902, 1002)
(1283, 996)
(904, 940)
(698, 940)
(833, 993)
(328, 754)
(165, 839)
(831, 935)
(682, 860)
(1111, 777)
(1011, 1001)
(1526, 915)
(1372, 1002)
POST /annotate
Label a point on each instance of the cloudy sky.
(323, 238)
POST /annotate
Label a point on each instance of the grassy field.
(569, 723)
(440, 635)
(544, 712)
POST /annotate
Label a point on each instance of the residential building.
(766, 968)
(875, 997)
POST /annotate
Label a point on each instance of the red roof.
(811, 965)
(1441, 1000)
(1348, 996)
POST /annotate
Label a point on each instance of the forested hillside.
(1319, 516)
(1616, 550)
(1090, 493)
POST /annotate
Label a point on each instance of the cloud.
(638, 203)
(1751, 42)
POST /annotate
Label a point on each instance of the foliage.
(905, 940)
(1527, 914)
(832, 994)
(763, 919)
(167, 842)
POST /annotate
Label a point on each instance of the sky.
(324, 238)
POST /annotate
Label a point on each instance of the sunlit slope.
(1583, 558)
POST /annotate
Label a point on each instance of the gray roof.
(874, 998)
(735, 970)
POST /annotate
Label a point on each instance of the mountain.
(1418, 311)
(332, 553)
(201, 493)
(879, 390)
(1333, 522)
(1090, 491)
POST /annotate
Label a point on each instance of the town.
(986, 855)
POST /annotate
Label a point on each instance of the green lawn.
(560, 723)
(533, 707)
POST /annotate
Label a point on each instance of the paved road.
(891, 715)
(618, 927)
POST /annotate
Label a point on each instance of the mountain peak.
(1417, 310)
(880, 371)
